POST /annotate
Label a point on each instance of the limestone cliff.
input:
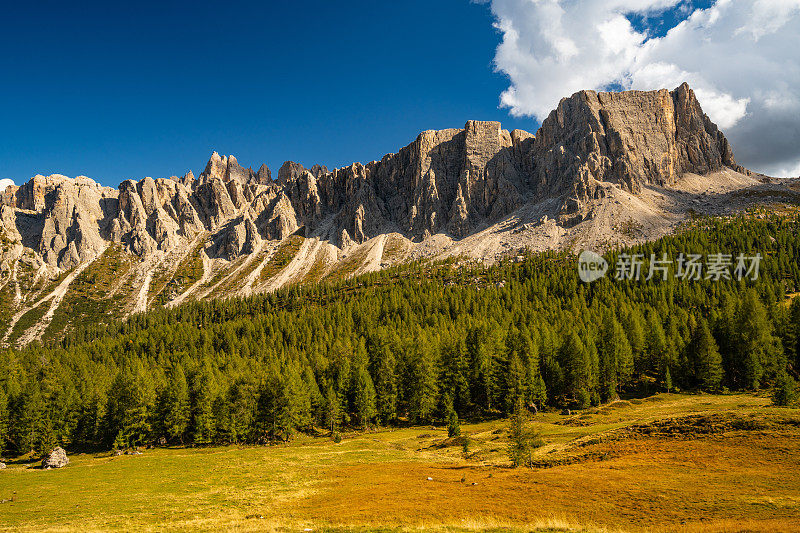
(452, 183)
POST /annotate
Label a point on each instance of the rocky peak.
(455, 180)
(289, 172)
(228, 169)
(631, 138)
(264, 175)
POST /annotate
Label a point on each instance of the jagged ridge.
(453, 182)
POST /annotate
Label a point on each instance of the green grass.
(188, 272)
(189, 488)
(378, 480)
(318, 269)
(224, 271)
(349, 265)
(287, 250)
(45, 286)
(235, 281)
(394, 250)
(7, 306)
(89, 298)
(27, 321)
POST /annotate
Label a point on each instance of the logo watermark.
(691, 267)
(591, 266)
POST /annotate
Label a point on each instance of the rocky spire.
(454, 181)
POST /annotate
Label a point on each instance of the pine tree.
(633, 325)
(332, 413)
(705, 359)
(386, 384)
(422, 385)
(785, 391)
(295, 401)
(3, 421)
(203, 392)
(363, 396)
(523, 439)
(454, 373)
(616, 358)
(175, 409)
(577, 369)
(656, 358)
(516, 382)
(119, 442)
(28, 419)
(755, 345)
(453, 426)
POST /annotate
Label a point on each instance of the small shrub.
(785, 391)
(523, 438)
(453, 426)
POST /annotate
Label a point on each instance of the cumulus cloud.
(5, 183)
(741, 58)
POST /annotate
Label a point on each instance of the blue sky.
(125, 90)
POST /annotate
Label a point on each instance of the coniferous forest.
(413, 344)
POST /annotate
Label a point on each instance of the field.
(666, 463)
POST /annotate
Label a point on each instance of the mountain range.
(604, 169)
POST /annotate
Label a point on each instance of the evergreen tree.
(516, 387)
(3, 421)
(425, 335)
(453, 426)
(454, 373)
(523, 439)
(756, 348)
(704, 357)
(332, 414)
(174, 409)
(422, 385)
(576, 364)
(656, 356)
(386, 384)
(785, 391)
(363, 396)
(203, 392)
(616, 358)
(26, 426)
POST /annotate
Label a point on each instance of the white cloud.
(741, 58)
(5, 183)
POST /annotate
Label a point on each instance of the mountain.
(604, 169)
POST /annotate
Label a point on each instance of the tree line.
(413, 344)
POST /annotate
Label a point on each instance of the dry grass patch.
(677, 463)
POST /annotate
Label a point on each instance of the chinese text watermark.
(691, 267)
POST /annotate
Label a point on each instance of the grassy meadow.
(665, 463)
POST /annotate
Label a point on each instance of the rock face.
(454, 181)
(631, 139)
(56, 459)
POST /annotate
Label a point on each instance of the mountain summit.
(479, 191)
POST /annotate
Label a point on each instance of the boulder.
(56, 459)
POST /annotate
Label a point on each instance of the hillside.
(604, 170)
(415, 344)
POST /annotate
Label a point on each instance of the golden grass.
(738, 477)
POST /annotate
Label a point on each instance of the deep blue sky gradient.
(126, 90)
(119, 90)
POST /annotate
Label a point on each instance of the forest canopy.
(413, 344)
